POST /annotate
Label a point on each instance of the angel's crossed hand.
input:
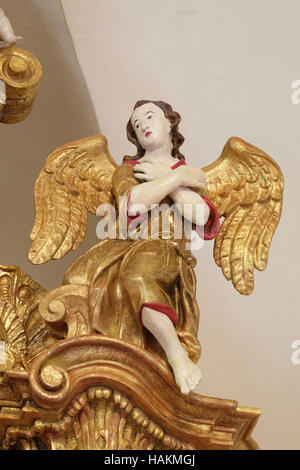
(188, 176)
(150, 171)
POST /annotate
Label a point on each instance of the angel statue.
(142, 290)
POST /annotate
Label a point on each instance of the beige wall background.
(62, 112)
(227, 67)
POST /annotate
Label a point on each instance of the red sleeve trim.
(181, 162)
(131, 162)
(162, 308)
(135, 162)
(212, 226)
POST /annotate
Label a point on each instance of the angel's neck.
(161, 154)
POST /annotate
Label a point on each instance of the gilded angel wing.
(246, 186)
(75, 180)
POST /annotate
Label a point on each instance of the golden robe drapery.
(124, 274)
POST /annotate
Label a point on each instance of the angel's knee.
(156, 321)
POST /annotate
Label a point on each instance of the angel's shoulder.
(122, 171)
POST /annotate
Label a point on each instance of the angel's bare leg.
(186, 373)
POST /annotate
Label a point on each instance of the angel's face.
(151, 126)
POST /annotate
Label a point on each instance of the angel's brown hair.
(174, 118)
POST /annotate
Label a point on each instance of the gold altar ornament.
(108, 360)
(21, 72)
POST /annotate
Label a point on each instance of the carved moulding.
(21, 326)
(95, 392)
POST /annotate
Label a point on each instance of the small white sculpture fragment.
(6, 31)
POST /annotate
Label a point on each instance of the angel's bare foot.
(187, 374)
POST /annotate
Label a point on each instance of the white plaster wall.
(62, 112)
(227, 67)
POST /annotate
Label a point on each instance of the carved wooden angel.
(143, 290)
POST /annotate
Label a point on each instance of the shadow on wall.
(62, 112)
